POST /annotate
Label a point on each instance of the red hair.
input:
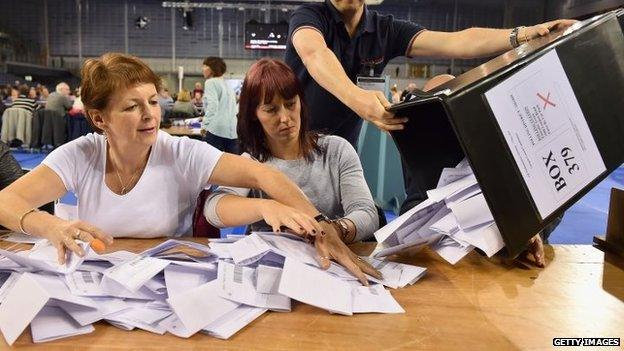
(264, 80)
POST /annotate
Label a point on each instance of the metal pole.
(79, 10)
(173, 41)
(46, 33)
(126, 26)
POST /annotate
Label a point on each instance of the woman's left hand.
(329, 246)
(540, 30)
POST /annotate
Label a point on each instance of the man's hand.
(371, 106)
(535, 249)
(543, 29)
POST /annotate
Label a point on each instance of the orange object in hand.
(98, 246)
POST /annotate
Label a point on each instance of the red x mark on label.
(546, 101)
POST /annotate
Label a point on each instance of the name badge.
(374, 83)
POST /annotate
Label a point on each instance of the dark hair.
(111, 72)
(264, 80)
(216, 64)
(23, 89)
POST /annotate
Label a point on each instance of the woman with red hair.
(273, 129)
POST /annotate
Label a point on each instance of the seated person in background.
(59, 100)
(77, 107)
(10, 170)
(133, 180)
(184, 105)
(198, 89)
(273, 128)
(165, 101)
(23, 101)
(198, 103)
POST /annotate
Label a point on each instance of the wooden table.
(182, 131)
(477, 304)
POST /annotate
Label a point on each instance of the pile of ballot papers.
(453, 221)
(182, 287)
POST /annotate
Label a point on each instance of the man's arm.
(477, 42)
(327, 71)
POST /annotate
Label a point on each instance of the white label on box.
(546, 132)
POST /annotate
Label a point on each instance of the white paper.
(21, 238)
(236, 283)
(472, 212)
(396, 275)
(133, 274)
(546, 131)
(44, 257)
(8, 281)
(201, 306)
(374, 299)
(180, 279)
(231, 323)
(451, 250)
(267, 279)
(248, 250)
(52, 323)
(315, 287)
(83, 283)
(22, 303)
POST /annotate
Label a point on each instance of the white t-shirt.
(162, 201)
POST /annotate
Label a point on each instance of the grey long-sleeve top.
(333, 181)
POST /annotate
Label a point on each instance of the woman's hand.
(63, 236)
(277, 215)
(329, 246)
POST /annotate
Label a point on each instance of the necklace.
(125, 186)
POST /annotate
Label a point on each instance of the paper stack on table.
(452, 221)
(182, 287)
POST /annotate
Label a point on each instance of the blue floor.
(588, 217)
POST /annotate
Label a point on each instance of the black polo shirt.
(377, 40)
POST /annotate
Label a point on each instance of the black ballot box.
(541, 125)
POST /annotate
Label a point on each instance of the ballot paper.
(183, 288)
(52, 323)
(21, 238)
(26, 299)
(45, 258)
(135, 273)
(200, 306)
(374, 299)
(315, 287)
(452, 221)
(396, 275)
(230, 323)
(236, 283)
(180, 279)
(8, 280)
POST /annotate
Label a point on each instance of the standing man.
(331, 43)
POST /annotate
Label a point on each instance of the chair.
(16, 125)
(201, 227)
